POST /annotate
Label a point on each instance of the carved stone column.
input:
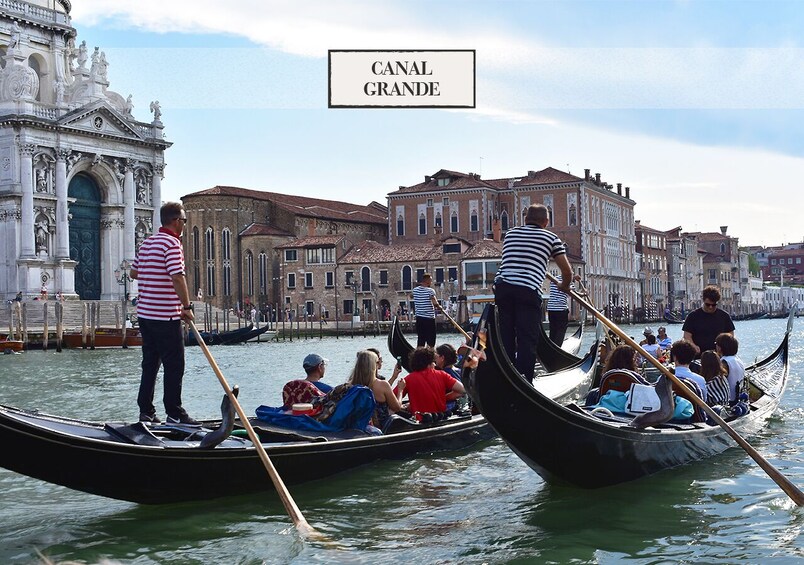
(156, 194)
(128, 215)
(27, 249)
(62, 224)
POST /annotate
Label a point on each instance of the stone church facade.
(80, 177)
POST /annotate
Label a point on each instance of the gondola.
(159, 464)
(222, 338)
(120, 460)
(593, 451)
(672, 319)
(562, 384)
(551, 357)
(555, 358)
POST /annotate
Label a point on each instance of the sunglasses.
(710, 304)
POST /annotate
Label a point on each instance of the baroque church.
(80, 176)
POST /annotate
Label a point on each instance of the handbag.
(641, 399)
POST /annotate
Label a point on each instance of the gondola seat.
(698, 414)
(620, 380)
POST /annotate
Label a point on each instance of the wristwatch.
(188, 307)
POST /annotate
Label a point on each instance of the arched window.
(33, 62)
(400, 225)
(209, 249)
(504, 220)
(226, 244)
(407, 278)
(722, 247)
(263, 266)
(196, 244)
(438, 219)
(473, 223)
(249, 273)
(422, 224)
(365, 279)
(453, 222)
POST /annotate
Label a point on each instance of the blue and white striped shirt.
(558, 300)
(422, 302)
(526, 251)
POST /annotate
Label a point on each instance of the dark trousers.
(519, 309)
(162, 343)
(425, 331)
(559, 320)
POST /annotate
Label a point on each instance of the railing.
(35, 12)
(44, 111)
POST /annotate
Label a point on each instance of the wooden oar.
(784, 483)
(290, 505)
(454, 323)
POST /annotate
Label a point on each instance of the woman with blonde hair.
(364, 373)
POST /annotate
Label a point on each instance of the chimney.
(723, 229)
(427, 178)
(531, 174)
(597, 179)
(586, 174)
(496, 230)
(628, 192)
(311, 227)
(620, 188)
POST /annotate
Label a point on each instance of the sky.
(697, 106)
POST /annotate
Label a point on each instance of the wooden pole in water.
(45, 330)
(117, 316)
(84, 306)
(18, 333)
(59, 324)
(125, 319)
(93, 315)
(25, 326)
(11, 320)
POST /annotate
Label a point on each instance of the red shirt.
(160, 256)
(427, 390)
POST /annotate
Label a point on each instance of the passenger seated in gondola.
(428, 389)
(445, 358)
(302, 391)
(651, 347)
(726, 346)
(682, 354)
(365, 373)
(717, 385)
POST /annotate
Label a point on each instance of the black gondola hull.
(563, 443)
(81, 456)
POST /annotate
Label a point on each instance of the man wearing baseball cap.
(315, 366)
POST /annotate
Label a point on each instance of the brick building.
(721, 265)
(595, 220)
(651, 248)
(233, 237)
(787, 264)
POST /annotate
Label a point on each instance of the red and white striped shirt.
(159, 258)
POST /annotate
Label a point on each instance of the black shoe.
(183, 419)
(149, 418)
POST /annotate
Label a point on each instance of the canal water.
(483, 505)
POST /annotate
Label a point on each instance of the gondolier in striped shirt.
(558, 312)
(425, 303)
(164, 301)
(517, 286)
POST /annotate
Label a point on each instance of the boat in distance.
(591, 450)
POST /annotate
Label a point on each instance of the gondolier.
(517, 286)
(558, 312)
(164, 301)
(424, 300)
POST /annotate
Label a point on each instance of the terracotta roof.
(484, 249)
(461, 180)
(313, 241)
(264, 229)
(374, 213)
(373, 252)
